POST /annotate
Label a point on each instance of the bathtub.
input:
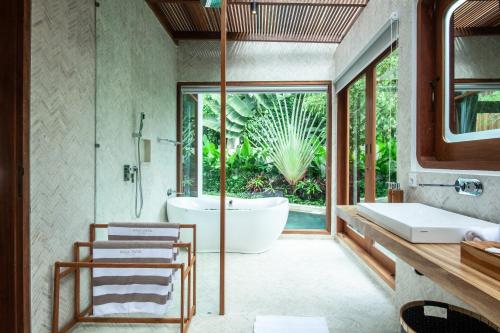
(252, 225)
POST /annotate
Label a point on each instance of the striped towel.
(145, 232)
(132, 290)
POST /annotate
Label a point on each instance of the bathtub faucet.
(171, 192)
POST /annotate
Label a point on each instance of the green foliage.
(250, 170)
(256, 184)
(309, 188)
(239, 109)
(385, 129)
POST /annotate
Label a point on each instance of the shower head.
(141, 125)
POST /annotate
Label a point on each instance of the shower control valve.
(126, 173)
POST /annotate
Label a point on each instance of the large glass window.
(276, 146)
(189, 179)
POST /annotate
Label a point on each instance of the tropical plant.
(239, 109)
(309, 188)
(256, 184)
(290, 133)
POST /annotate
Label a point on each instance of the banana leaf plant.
(239, 109)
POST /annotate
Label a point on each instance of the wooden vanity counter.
(439, 262)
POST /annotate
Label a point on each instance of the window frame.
(433, 150)
(383, 265)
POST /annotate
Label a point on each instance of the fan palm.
(290, 132)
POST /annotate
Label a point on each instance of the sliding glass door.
(367, 151)
(372, 105)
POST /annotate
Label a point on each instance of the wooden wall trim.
(329, 156)
(15, 24)
(178, 138)
(222, 212)
(342, 153)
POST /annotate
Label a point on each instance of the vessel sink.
(419, 223)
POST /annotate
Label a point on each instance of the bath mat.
(287, 324)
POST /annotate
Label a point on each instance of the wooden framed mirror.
(458, 84)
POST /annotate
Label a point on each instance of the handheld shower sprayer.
(138, 134)
(139, 199)
(141, 125)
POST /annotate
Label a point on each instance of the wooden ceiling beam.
(233, 36)
(325, 3)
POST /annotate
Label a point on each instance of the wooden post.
(223, 44)
(194, 268)
(76, 257)
(182, 299)
(342, 153)
(55, 308)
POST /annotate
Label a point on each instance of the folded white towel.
(132, 290)
(483, 235)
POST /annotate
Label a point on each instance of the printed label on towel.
(142, 231)
(132, 253)
(435, 312)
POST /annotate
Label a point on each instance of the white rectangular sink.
(418, 223)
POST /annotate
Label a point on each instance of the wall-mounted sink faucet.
(465, 186)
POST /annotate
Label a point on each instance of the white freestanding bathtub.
(252, 225)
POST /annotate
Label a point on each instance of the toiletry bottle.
(397, 194)
(390, 190)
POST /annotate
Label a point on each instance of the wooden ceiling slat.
(477, 14)
(197, 16)
(346, 3)
(277, 20)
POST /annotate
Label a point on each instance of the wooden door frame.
(14, 166)
(329, 145)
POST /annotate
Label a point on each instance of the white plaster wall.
(136, 72)
(61, 145)
(199, 61)
(477, 57)
(408, 285)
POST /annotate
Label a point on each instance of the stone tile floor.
(297, 277)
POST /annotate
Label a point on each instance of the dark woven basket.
(457, 320)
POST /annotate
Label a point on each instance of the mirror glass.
(472, 70)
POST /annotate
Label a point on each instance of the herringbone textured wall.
(136, 72)
(62, 139)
